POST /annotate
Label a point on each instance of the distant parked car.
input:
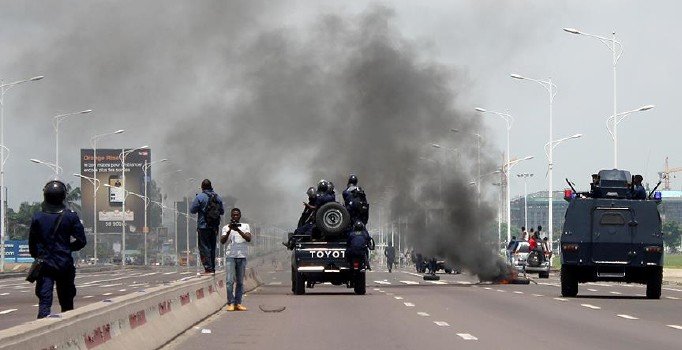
(519, 260)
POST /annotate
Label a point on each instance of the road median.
(147, 319)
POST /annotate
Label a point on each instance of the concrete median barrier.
(143, 320)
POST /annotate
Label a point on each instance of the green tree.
(73, 198)
(671, 235)
(19, 222)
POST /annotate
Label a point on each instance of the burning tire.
(431, 278)
(332, 218)
(569, 282)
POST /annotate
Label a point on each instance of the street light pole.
(551, 90)
(95, 184)
(509, 120)
(190, 181)
(49, 165)
(617, 118)
(123, 155)
(3, 201)
(55, 122)
(93, 142)
(549, 147)
(145, 231)
(616, 48)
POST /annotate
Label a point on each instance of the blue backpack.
(357, 241)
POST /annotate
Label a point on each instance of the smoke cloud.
(266, 110)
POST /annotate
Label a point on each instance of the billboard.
(110, 198)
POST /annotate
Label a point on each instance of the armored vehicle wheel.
(569, 282)
(332, 218)
(299, 284)
(543, 274)
(653, 285)
(360, 287)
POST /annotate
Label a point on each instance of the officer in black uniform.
(50, 238)
(355, 200)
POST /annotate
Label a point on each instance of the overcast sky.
(482, 41)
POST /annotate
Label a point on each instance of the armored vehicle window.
(612, 219)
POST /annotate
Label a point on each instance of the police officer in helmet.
(355, 200)
(55, 232)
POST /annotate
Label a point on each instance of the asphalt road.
(18, 303)
(402, 311)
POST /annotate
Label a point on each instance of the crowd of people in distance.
(535, 243)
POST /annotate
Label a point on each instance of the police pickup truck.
(321, 257)
(609, 235)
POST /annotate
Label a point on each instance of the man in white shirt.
(237, 235)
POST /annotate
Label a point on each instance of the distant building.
(671, 206)
(538, 210)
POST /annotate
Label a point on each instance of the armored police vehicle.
(612, 233)
(321, 256)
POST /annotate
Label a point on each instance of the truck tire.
(533, 259)
(332, 219)
(360, 286)
(429, 277)
(569, 282)
(543, 274)
(653, 285)
(299, 284)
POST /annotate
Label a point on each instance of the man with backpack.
(355, 201)
(209, 207)
(358, 243)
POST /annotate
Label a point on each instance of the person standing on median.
(55, 233)
(209, 207)
(237, 235)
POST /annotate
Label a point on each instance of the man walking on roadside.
(237, 235)
(209, 207)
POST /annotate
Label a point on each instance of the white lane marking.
(438, 282)
(442, 323)
(382, 282)
(137, 284)
(169, 273)
(412, 273)
(423, 314)
(24, 291)
(549, 284)
(466, 336)
(7, 311)
(487, 288)
(107, 294)
(671, 298)
(111, 285)
(87, 297)
(390, 293)
(592, 290)
(616, 293)
(561, 299)
(36, 305)
(398, 298)
(122, 290)
(673, 289)
(409, 304)
(275, 283)
(627, 317)
(409, 282)
(675, 326)
(186, 273)
(464, 282)
(376, 289)
(538, 295)
(591, 306)
(500, 290)
(3, 294)
(518, 292)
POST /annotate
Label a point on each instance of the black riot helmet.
(310, 192)
(353, 179)
(323, 186)
(331, 188)
(358, 226)
(54, 192)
